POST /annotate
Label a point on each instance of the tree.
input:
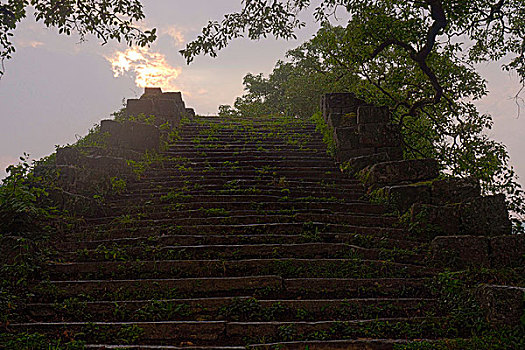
(105, 19)
(417, 57)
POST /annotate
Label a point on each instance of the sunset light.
(150, 68)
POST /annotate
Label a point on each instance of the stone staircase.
(246, 235)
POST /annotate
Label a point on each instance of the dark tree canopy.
(493, 29)
(105, 19)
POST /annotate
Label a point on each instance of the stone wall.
(466, 229)
(362, 133)
(87, 170)
(165, 106)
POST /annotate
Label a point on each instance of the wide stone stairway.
(246, 234)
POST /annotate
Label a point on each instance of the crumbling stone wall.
(465, 228)
(87, 170)
(165, 106)
(363, 134)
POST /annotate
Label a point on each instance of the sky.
(55, 88)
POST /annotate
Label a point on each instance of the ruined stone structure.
(165, 106)
(247, 235)
(361, 132)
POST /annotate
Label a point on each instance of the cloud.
(150, 68)
(176, 34)
(29, 43)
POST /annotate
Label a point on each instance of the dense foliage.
(106, 20)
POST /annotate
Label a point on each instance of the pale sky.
(55, 88)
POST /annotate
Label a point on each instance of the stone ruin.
(84, 170)
(466, 228)
(165, 106)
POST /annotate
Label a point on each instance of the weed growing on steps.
(326, 131)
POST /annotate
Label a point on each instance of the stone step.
(164, 212)
(238, 252)
(307, 229)
(228, 239)
(150, 207)
(276, 177)
(178, 148)
(246, 163)
(181, 198)
(262, 287)
(130, 222)
(221, 181)
(301, 192)
(230, 308)
(195, 153)
(222, 332)
(294, 171)
(285, 267)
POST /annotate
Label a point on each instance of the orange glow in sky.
(150, 68)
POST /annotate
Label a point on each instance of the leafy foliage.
(106, 20)
(20, 193)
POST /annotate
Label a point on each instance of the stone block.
(507, 251)
(151, 92)
(343, 155)
(395, 153)
(486, 216)
(346, 138)
(429, 221)
(336, 120)
(131, 135)
(108, 165)
(372, 114)
(402, 197)
(353, 165)
(399, 172)
(347, 101)
(460, 252)
(455, 190)
(190, 112)
(503, 305)
(174, 96)
(379, 135)
(86, 206)
(136, 107)
(68, 156)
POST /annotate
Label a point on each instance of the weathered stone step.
(162, 347)
(348, 207)
(206, 212)
(178, 148)
(215, 181)
(262, 287)
(196, 176)
(210, 239)
(127, 222)
(285, 267)
(359, 344)
(195, 153)
(241, 158)
(266, 228)
(247, 163)
(292, 171)
(253, 198)
(235, 142)
(230, 308)
(238, 252)
(297, 192)
(220, 332)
